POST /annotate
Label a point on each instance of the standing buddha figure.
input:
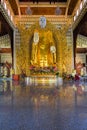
(42, 54)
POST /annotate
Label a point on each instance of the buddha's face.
(42, 21)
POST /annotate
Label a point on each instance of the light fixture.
(58, 11)
(28, 11)
(2, 1)
(8, 12)
(81, 6)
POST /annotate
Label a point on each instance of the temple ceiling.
(45, 7)
(20, 6)
(39, 7)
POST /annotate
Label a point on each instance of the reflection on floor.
(43, 105)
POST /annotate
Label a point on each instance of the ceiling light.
(58, 11)
(28, 11)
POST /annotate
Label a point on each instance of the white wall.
(5, 43)
(81, 58)
(6, 57)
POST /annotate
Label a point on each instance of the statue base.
(43, 75)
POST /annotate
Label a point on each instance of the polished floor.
(40, 104)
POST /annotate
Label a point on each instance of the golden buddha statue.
(44, 51)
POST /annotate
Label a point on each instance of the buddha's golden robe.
(41, 54)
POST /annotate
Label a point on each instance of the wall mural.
(49, 40)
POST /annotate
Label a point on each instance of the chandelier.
(58, 11)
(28, 11)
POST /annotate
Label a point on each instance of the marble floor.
(39, 104)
